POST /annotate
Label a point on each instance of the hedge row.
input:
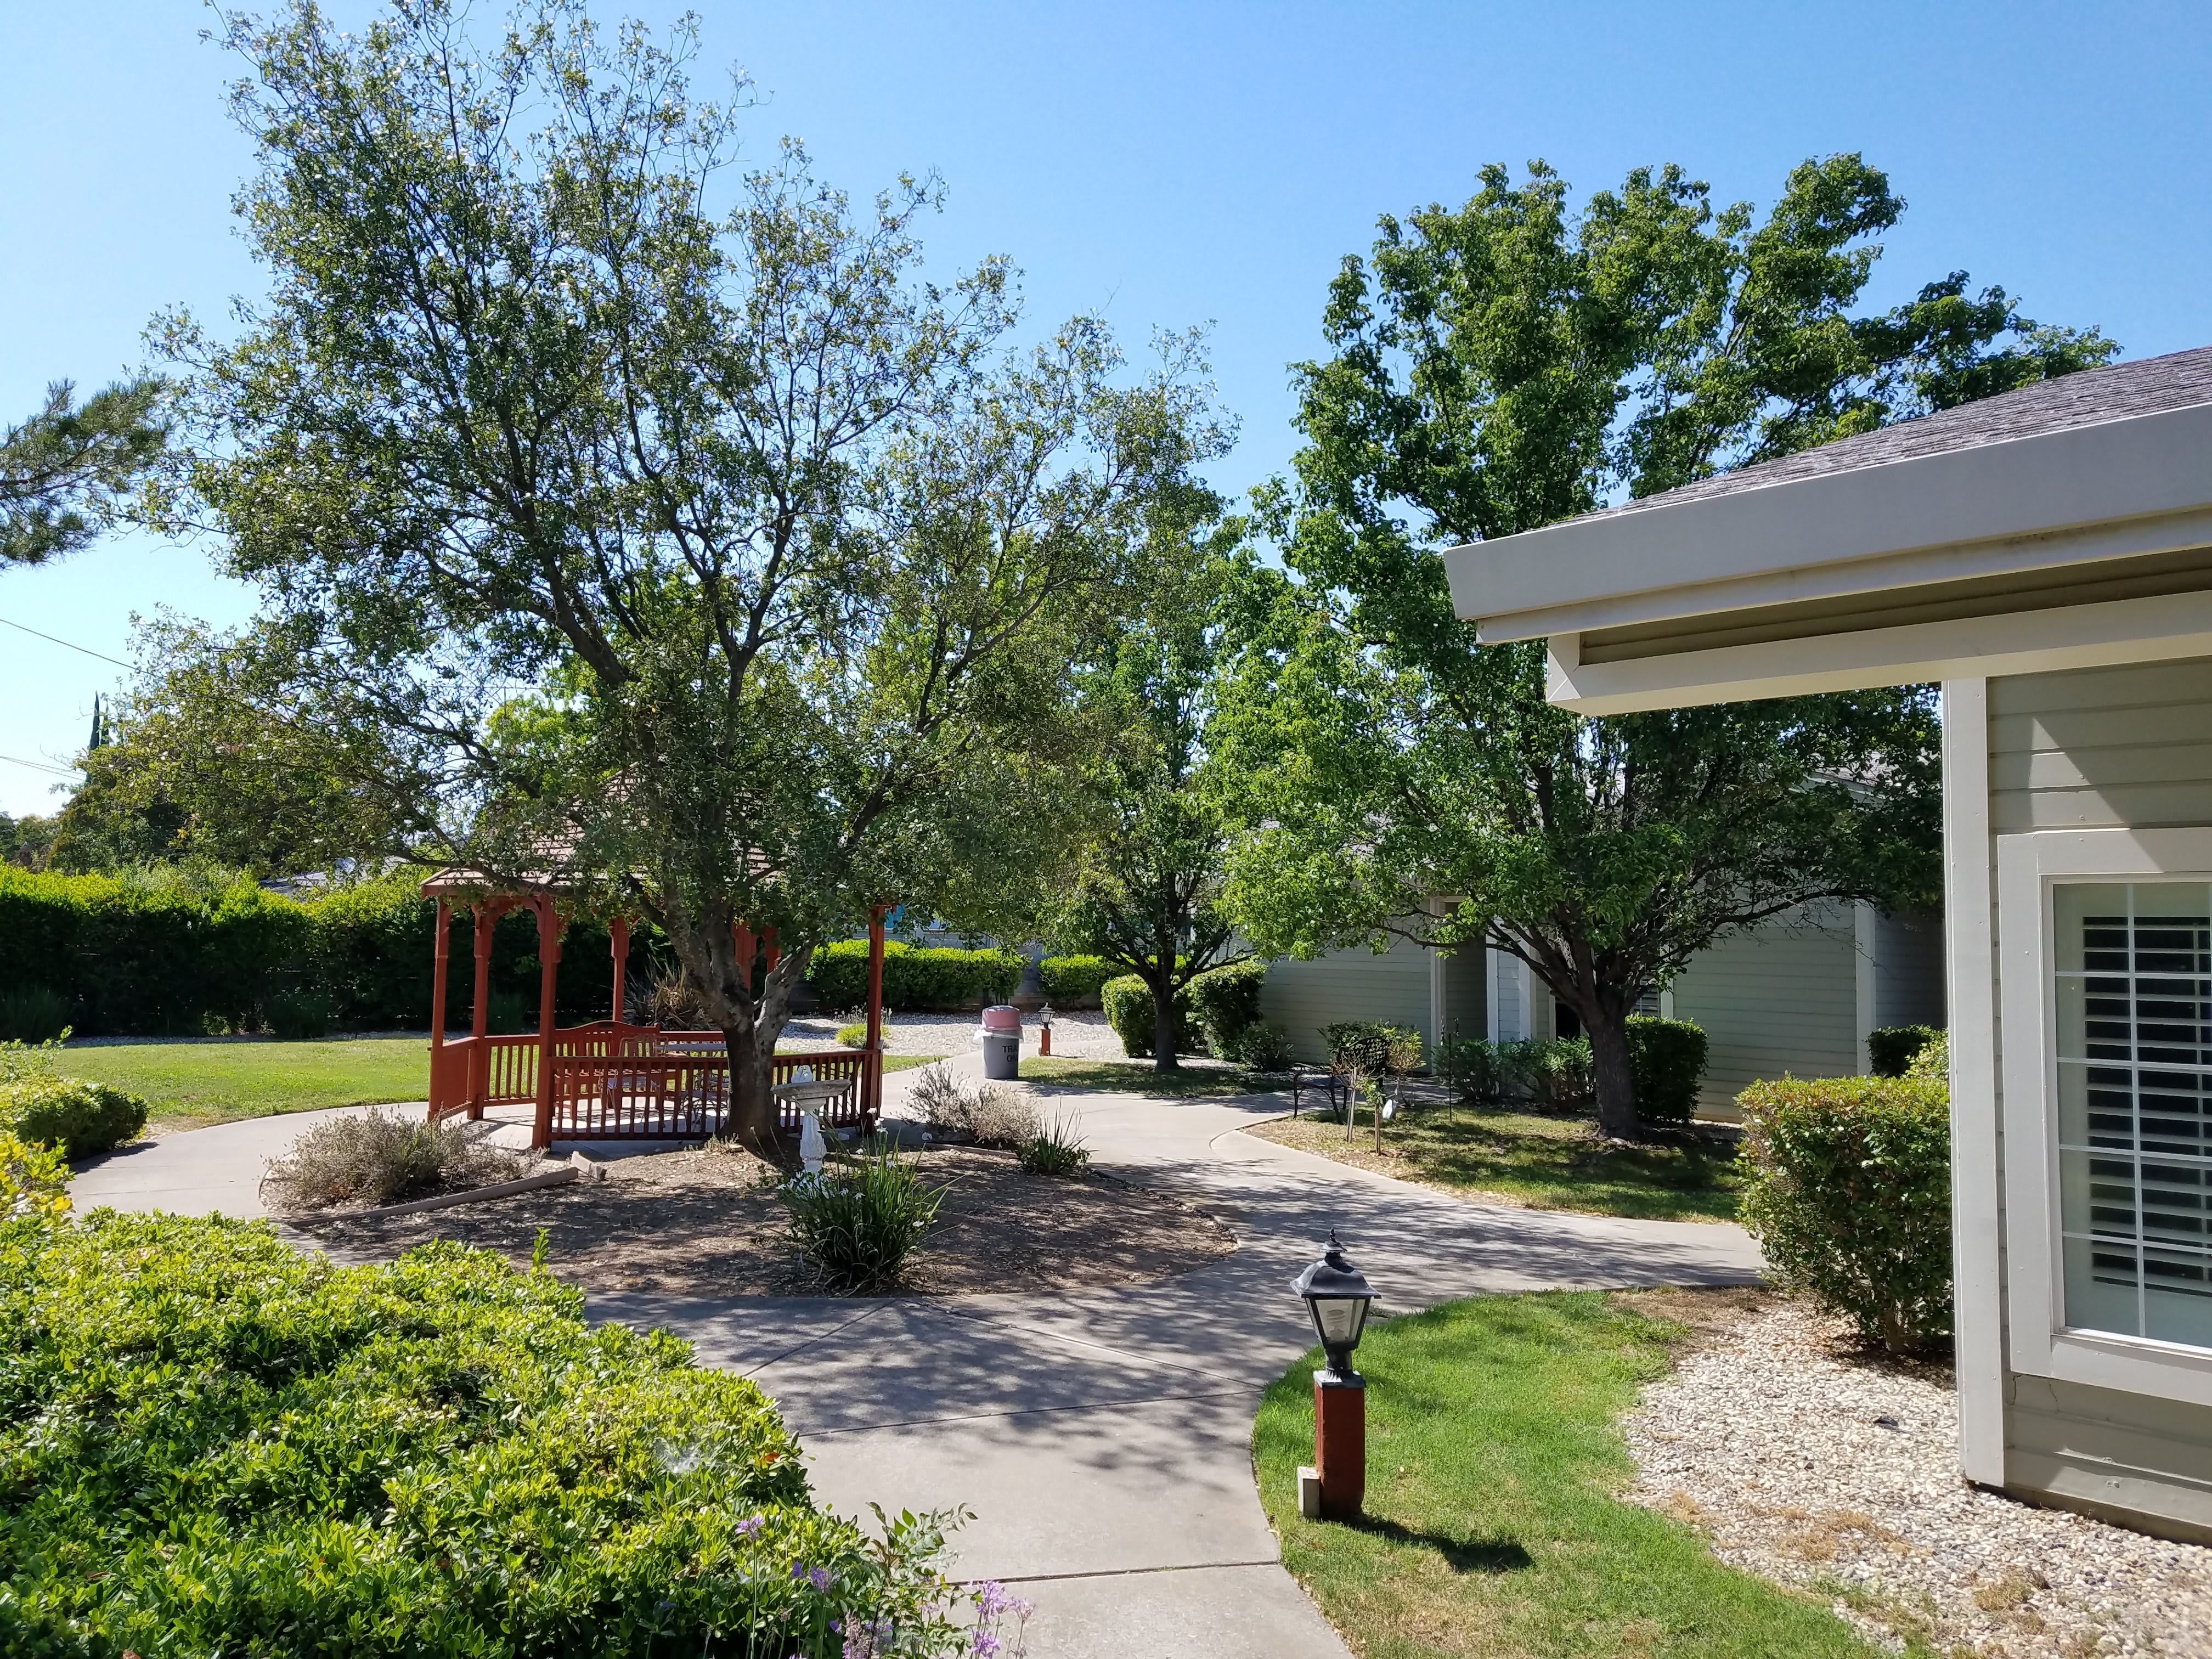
(1076, 981)
(916, 977)
(217, 1445)
(154, 956)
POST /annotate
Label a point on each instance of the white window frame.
(2028, 866)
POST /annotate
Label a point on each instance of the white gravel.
(1080, 1034)
(1809, 1466)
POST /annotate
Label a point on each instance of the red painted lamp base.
(1340, 1443)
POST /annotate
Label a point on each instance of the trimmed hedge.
(217, 1445)
(1891, 1048)
(157, 955)
(1848, 1190)
(1225, 1002)
(916, 977)
(1075, 982)
(79, 1118)
(1667, 1059)
(1130, 1010)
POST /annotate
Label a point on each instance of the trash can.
(1002, 1037)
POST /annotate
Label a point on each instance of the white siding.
(1777, 999)
(2107, 747)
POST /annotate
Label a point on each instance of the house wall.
(1908, 979)
(1301, 997)
(2112, 747)
(1778, 998)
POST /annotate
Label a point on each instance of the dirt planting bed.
(708, 1223)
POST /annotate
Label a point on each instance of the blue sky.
(1165, 165)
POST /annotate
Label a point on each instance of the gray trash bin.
(1002, 1054)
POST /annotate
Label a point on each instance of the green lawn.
(191, 1084)
(1139, 1078)
(1494, 1452)
(1549, 1162)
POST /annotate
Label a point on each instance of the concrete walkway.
(1102, 1440)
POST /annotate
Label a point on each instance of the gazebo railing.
(626, 1082)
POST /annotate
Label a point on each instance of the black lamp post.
(1337, 1298)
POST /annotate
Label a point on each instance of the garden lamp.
(1337, 1298)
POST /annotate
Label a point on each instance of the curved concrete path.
(1102, 1439)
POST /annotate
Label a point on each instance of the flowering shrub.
(218, 1445)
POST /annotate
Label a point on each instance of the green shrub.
(1932, 1063)
(1562, 1074)
(34, 1179)
(1891, 1048)
(854, 1035)
(1225, 1002)
(1129, 1009)
(1848, 1190)
(272, 1455)
(81, 1118)
(1074, 981)
(33, 1014)
(916, 978)
(1264, 1047)
(1055, 1149)
(1667, 1059)
(1367, 1045)
(1470, 1066)
(299, 1014)
(380, 1158)
(856, 1223)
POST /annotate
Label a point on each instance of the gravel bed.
(1809, 1464)
(1078, 1034)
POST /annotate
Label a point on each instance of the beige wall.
(1779, 998)
(1299, 998)
(2096, 748)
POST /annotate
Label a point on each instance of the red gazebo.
(611, 1081)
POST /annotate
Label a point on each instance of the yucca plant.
(1056, 1148)
(857, 1222)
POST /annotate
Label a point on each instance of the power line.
(41, 766)
(88, 650)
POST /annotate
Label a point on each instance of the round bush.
(1225, 1001)
(79, 1118)
(1667, 1058)
(1891, 1049)
(1128, 1003)
(1848, 1191)
(218, 1445)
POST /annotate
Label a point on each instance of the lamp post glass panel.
(1337, 1296)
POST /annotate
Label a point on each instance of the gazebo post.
(438, 978)
(548, 963)
(618, 945)
(873, 1092)
(480, 1014)
(743, 943)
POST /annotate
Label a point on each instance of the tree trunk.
(752, 1120)
(1610, 1070)
(1163, 1027)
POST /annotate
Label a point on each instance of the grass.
(1546, 1163)
(1140, 1077)
(1494, 1453)
(189, 1086)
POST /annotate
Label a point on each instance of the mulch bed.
(706, 1223)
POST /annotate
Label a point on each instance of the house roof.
(2064, 524)
(2148, 385)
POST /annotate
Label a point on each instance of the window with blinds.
(2133, 967)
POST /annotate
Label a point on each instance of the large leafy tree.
(67, 471)
(652, 528)
(1144, 886)
(1510, 363)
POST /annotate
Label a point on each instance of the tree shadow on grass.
(1459, 1555)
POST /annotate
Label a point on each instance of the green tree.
(1509, 364)
(65, 472)
(1144, 888)
(651, 528)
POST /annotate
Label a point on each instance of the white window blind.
(2134, 970)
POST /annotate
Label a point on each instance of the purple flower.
(985, 1645)
(821, 1577)
(991, 1598)
(750, 1524)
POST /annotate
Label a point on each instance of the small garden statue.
(812, 1149)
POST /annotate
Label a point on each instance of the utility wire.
(41, 766)
(88, 650)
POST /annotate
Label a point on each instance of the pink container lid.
(1003, 1018)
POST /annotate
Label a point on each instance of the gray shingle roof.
(2091, 396)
